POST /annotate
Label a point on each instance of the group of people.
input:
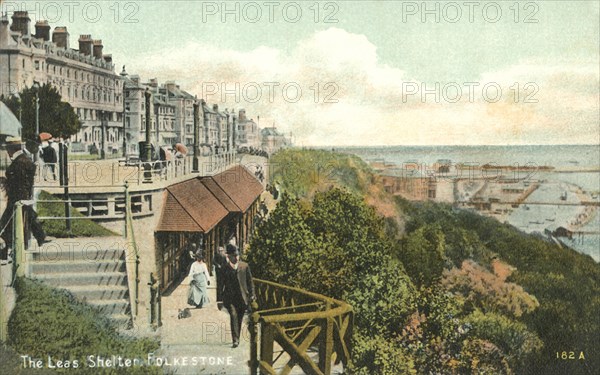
(235, 287)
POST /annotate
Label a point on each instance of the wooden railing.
(298, 321)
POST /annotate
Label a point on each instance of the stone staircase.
(92, 269)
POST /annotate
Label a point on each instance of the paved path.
(205, 336)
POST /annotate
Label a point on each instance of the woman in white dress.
(199, 277)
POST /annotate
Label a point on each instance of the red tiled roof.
(220, 194)
(174, 218)
(190, 206)
(198, 205)
(240, 185)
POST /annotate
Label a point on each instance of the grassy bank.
(58, 228)
(51, 322)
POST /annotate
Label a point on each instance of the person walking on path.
(198, 296)
(50, 158)
(220, 261)
(238, 292)
(18, 185)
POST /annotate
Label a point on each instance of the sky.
(344, 73)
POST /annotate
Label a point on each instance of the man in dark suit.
(18, 186)
(238, 292)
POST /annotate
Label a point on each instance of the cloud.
(348, 97)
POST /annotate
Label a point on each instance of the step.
(64, 254)
(90, 248)
(67, 280)
(72, 266)
(122, 321)
(96, 292)
(110, 307)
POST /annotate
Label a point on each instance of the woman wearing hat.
(198, 295)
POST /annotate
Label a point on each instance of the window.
(37, 65)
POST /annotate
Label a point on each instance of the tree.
(55, 117)
(423, 254)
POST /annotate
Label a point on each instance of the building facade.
(247, 132)
(272, 140)
(84, 77)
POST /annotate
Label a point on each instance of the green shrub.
(51, 322)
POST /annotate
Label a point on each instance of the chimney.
(170, 85)
(60, 37)
(85, 44)
(98, 47)
(42, 30)
(153, 82)
(242, 115)
(108, 59)
(216, 108)
(20, 22)
(135, 78)
(4, 31)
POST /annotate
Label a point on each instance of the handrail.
(133, 279)
(329, 327)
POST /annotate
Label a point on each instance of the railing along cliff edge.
(299, 321)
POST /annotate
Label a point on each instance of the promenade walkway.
(203, 336)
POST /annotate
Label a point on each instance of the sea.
(574, 167)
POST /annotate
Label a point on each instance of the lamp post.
(125, 110)
(157, 110)
(103, 130)
(196, 162)
(147, 146)
(36, 85)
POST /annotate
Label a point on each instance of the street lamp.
(36, 86)
(103, 130)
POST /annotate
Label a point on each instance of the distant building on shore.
(411, 184)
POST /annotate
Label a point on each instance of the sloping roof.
(240, 185)
(199, 204)
(9, 125)
(270, 132)
(190, 206)
(220, 194)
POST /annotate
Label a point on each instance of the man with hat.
(18, 185)
(238, 290)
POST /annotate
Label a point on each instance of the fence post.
(326, 344)
(3, 326)
(253, 327)
(267, 337)
(155, 318)
(19, 241)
